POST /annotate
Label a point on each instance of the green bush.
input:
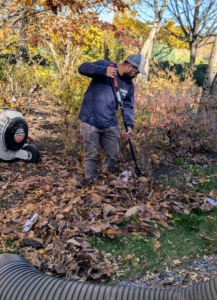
(199, 74)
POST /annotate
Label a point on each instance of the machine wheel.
(33, 153)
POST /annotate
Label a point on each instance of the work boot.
(104, 175)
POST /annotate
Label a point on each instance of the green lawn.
(194, 235)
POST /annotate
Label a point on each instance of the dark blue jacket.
(100, 104)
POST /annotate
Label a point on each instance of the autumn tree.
(198, 21)
(169, 41)
(135, 15)
(76, 6)
(57, 35)
(158, 8)
(132, 34)
(155, 29)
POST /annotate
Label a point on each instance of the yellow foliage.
(168, 35)
(132, 25)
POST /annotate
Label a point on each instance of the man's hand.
(129, 133)
(111, 72)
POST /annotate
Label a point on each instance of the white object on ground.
(13, 99)
(125, 175)
(30, 222)
(211, 201)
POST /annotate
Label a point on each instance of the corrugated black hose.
(19, 280)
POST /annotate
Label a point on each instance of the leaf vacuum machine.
(13, 137)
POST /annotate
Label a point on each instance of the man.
(97, 114)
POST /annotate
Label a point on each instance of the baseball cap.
(138, 61)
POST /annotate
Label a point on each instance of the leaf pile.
(69, 211)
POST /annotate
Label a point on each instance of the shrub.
(170, 115)
(199, 74)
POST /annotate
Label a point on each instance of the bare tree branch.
(197, 19)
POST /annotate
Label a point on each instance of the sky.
(107, 16)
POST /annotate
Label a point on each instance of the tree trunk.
(193, 53)
(210, 84)
(21, 53)
(214, 86)
(55, 56)
(147, 48)
(149, 40)
(148, 57)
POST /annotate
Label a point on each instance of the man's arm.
(100, 67)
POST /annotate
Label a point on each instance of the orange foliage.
(169, 114)
(75, 5)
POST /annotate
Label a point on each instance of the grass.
(203, 179)
(9, 247)
(207, 175)
(194, 235)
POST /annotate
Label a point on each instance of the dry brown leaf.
(60, 269)
(67, 209)
(177, 262)
(35, 260)
(75, 200)
(107, 208)
(8, 230)
(73, 241)
(155, 161)
(101, 187)
(30, 207)
(132, 211)
(72, 182)
(157, 245)
(156, 234)
(31, 234)
(109, 232)
(72, 266)
(96, 229)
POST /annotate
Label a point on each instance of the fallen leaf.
(73, 241)
(31, 234)
(131, 211)
(177, 262)
(67, 209)
(157, 245)
(60, 268)
(129, 257)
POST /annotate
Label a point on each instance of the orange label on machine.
(19, 135)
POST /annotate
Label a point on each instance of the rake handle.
(137, 169)
(115, 79)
